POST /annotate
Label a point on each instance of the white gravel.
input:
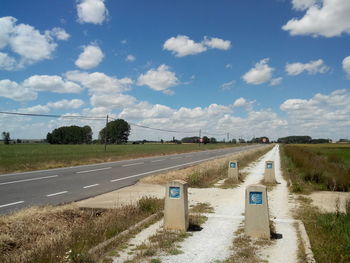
(213, 243)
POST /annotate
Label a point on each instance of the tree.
(213, 140)
(206, 140)
(6, 137)
(118, 132)
(70, 135)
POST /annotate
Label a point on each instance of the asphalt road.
(63, 185)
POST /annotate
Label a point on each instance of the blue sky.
(248, 68)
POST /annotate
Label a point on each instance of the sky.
(237, 69)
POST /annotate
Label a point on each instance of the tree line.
(116, 131)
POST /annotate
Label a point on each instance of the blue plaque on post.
(255, 198)
(233, 165)
(174, 192)
(269, 165)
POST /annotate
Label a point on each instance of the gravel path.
(213, 243)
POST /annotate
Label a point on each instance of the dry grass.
(64, 233)
(245, 249)
(208, 173)
(202, 208)
(311, 169)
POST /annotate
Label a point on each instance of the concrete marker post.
(269, 175)
(257, 221)
(233, 171)
(176, 206)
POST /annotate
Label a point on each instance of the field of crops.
(25, 157)
(318, 167)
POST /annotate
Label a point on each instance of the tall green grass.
(24, 157)
(312, 168)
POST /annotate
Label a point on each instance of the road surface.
(63, 185)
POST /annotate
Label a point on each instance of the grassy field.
(318, 167)
(26, 157)
(321, 167)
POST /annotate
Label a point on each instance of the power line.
(53, 116)
(99, 118)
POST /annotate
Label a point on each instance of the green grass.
(26, 157)
(329, 234)
(317, 167)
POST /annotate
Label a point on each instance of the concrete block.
(176, 206)
(257, 222)
(233, 170)
(269, 175)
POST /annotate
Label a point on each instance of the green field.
(318, 167)
(26, 157)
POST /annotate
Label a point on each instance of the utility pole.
(228, 137)
(106, 133)
(200, 132)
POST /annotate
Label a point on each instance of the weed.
(202, 208)
(329, 234)
(64, 233)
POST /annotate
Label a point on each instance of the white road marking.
(59, 193)
(94, 170)
(15, 203)
(175, 158)
(132, 164)
(28, 180)
(163, 169)
(160, 160)
(89, 186)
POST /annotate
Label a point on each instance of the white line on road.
(28, 180)
(59, 193)
(131, 164)
(94, 170)
(89, 186)
(163, 169)
(174, 158)
(15, 203)
(160, 160)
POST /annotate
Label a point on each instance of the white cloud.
(303, 4)
(66, 104)
(59, 33)
(99, 83)
(14, 91)
(7, 62)
(27, 43)
(182, 45)
(218, 43)
(51, 83)
(276, 81)
(240, 102)
(228, 85)
(91, 57)
(160, 79)
(328, 18)
(261, 73)
(130, 58)
(116, 101)
(322, 115)
(313, 67)
(38, 109)
(228, 66)
(92, 11)
(346, 66)
(243, 103)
